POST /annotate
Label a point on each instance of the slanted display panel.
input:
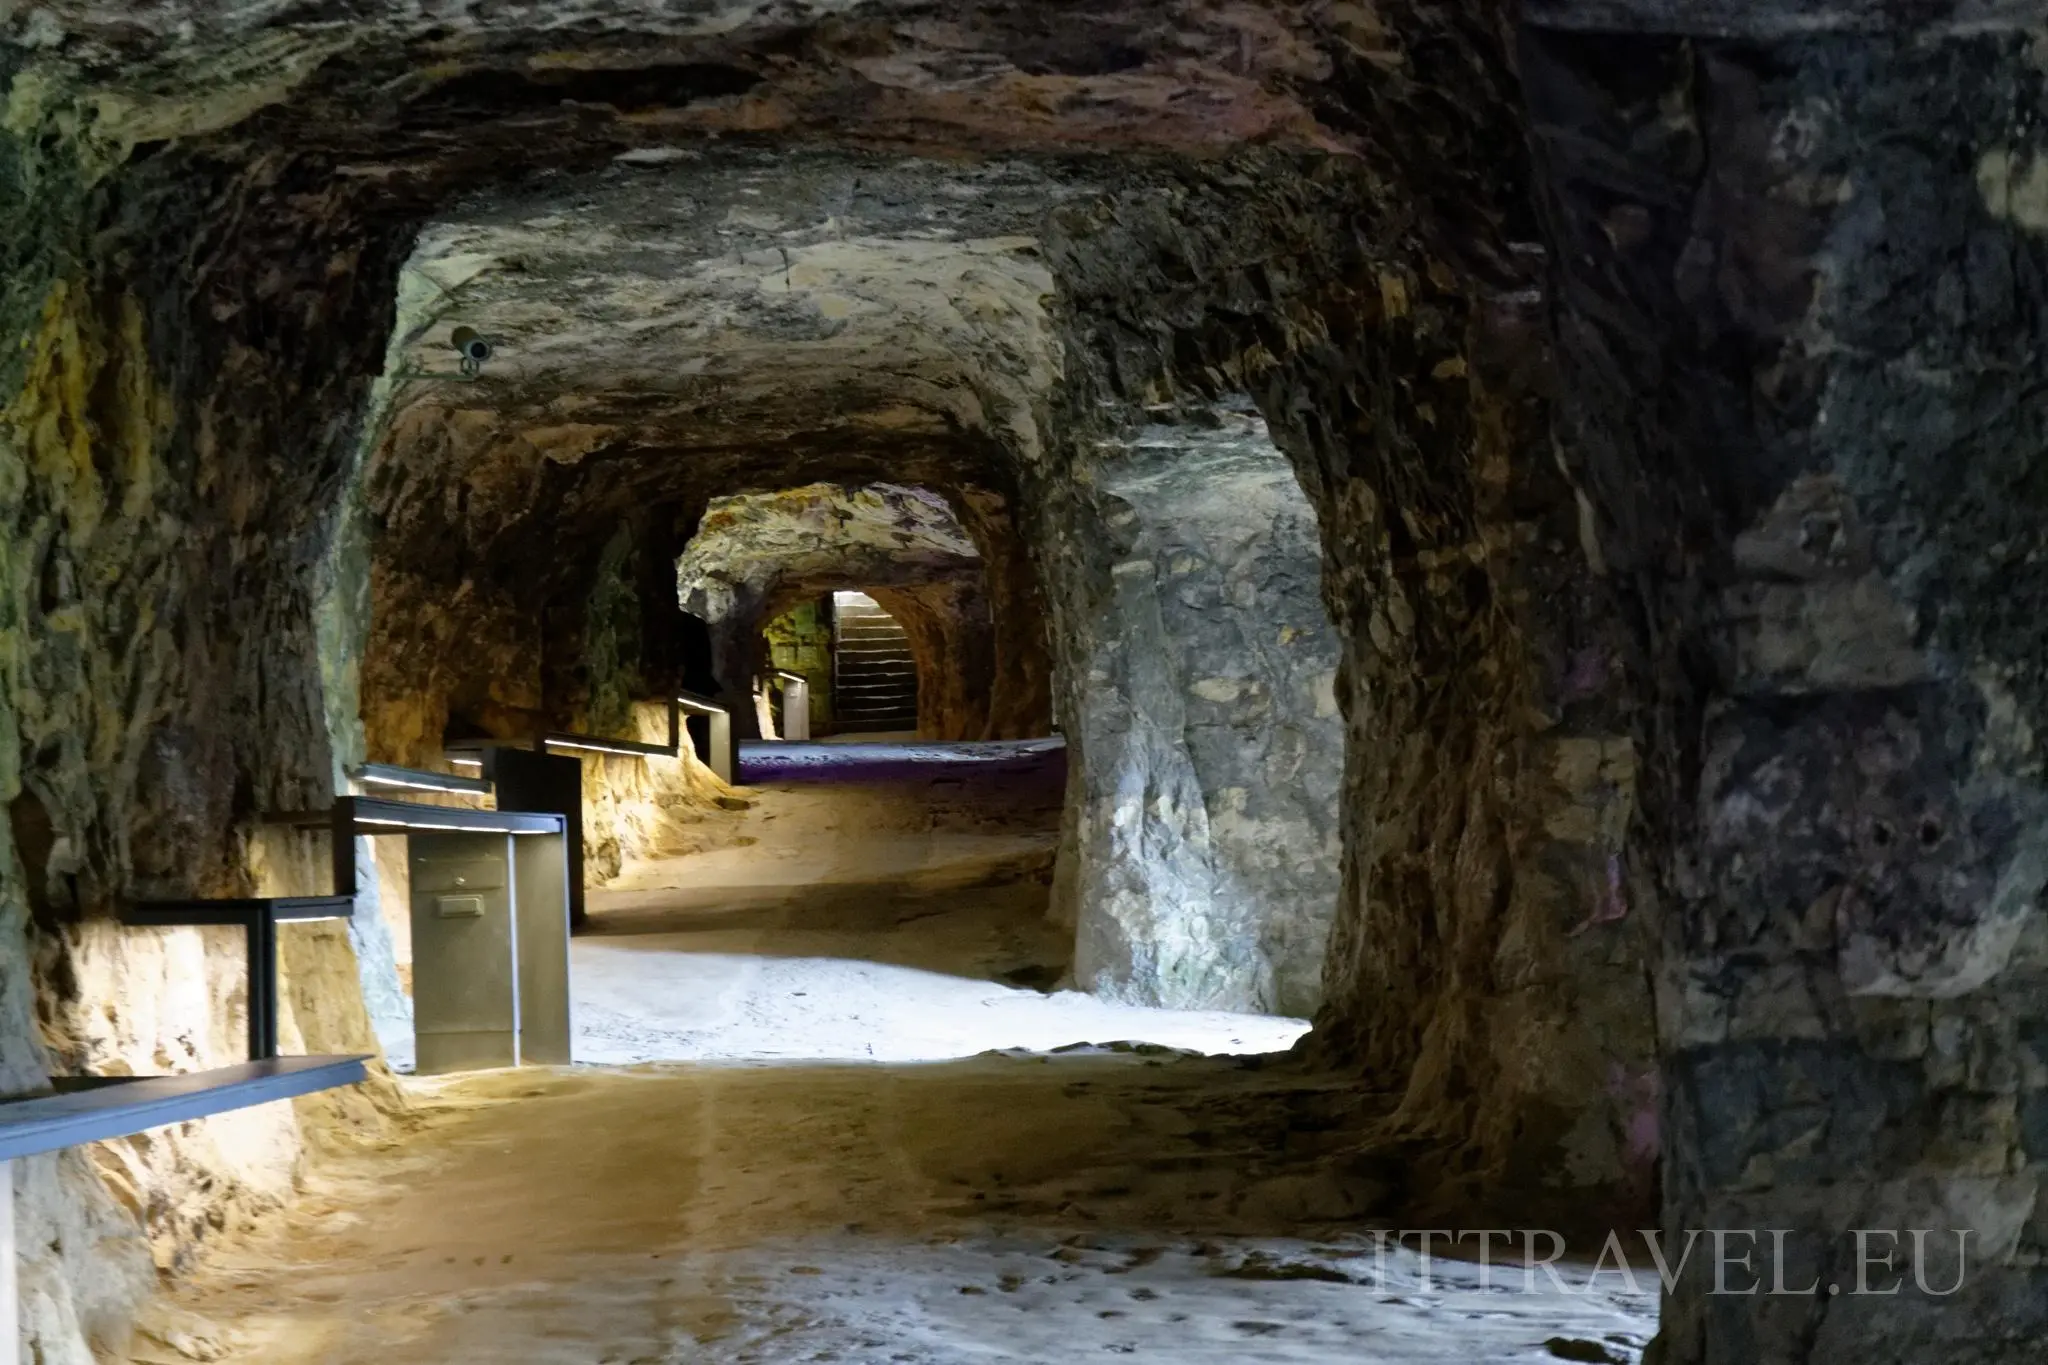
(551, 783)
(541, 887)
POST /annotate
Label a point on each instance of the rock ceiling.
(997, 73)
(693, 300)
(757, 546)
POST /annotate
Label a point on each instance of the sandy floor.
(1030, 1210)
(896, 920)
(1003, 1207)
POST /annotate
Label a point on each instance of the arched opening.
(1649, 385)
(874, 667)
(893, 869)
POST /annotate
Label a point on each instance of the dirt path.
(1004, 1207)
(1012, 1209)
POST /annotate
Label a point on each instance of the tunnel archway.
(756, 556)
(876, 666)
(1657, 487)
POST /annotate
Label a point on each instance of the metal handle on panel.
(459, 907)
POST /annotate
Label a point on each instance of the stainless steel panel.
(465, 966)
(541, 886)
(460, 872)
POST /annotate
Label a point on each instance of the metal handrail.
(681, 702)
(257, 917)
(134, 1104)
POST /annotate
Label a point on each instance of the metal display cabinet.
(796, 704)
(532, 780)
(490, 931)
(718, 755)
(490, 945)
(490, 927)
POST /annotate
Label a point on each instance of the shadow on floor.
(1004, 1209)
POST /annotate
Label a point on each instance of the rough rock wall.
(1488, 970)
(1198, 697)
(253, 142)
(150, 374)
(800, 641)
(456, 640)
(455, 646)
(1802, 274)
(1020, 649)
(1695, 187)
(636, 808)
(1491, 955)
(445, 663)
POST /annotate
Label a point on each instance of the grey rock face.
(1829, 257)
(1196, 678)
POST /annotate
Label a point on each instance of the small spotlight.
(473, 348)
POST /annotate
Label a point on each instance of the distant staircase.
(874, 678)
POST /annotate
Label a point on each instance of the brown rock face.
(1676, 486)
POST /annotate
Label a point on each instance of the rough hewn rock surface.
(432, 554)
(1707, 654)
(755, 555)
(1198, 697)
(1803, 279)
(746, 323)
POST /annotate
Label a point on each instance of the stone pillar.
(952, 639)
(1020, 666)
(1801, 285)
(1197, 670)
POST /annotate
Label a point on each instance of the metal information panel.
(527, 780)
(540, 878)
(465, 951)
(490, 950)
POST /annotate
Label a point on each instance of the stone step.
(874, 672)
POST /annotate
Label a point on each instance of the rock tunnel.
(1524, 520)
